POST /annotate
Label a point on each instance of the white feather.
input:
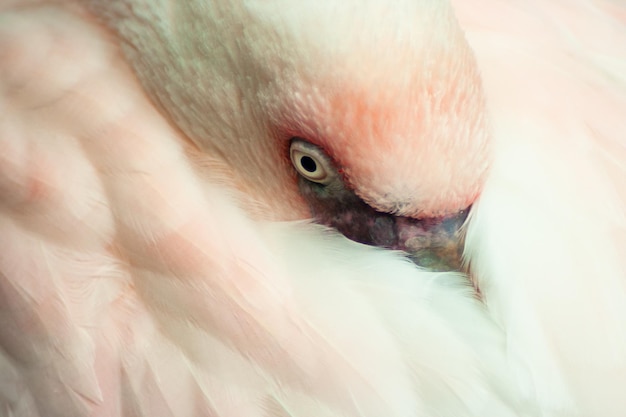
(547, 239)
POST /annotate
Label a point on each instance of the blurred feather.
(547, 238)
(137, 279)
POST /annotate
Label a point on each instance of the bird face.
(379, 132)
(388, 139)
(434, 243)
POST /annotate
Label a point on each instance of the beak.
(435, 243)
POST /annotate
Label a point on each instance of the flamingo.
(205, 208)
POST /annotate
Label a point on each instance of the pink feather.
(141, 275)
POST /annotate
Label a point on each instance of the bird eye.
(310, 162)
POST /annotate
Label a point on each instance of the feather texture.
(547, 239)
(123, 294)
(140, 274)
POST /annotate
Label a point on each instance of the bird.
(205, 208)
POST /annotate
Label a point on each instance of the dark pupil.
(308, 163)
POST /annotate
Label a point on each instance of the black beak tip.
(439, 259)
(437, 244)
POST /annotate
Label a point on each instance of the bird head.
(368, 116)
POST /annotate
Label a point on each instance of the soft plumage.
(548, 239)
(387, 105)
(134, 285)
(143, 269)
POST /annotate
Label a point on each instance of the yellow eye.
(310, 162)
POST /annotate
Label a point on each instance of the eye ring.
(310, 162)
